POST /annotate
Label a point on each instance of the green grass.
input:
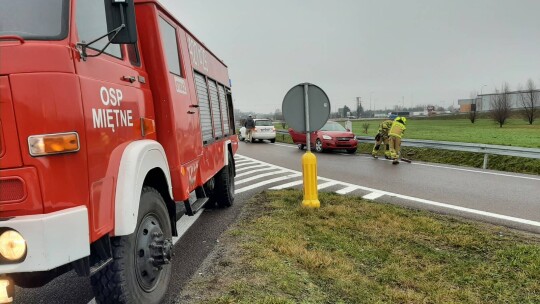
(354, 251)
(517, 132)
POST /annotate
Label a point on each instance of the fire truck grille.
(11, 190)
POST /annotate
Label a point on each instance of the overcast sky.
(419, 51)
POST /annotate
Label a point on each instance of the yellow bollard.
(309, 169)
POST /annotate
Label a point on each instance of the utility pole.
(358, 103)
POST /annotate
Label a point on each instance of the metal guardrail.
(459, 146)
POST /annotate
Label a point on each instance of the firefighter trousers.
(395, 147)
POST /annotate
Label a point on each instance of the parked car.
(264, 129)
(332, 136)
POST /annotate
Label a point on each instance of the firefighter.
(382, 137)
(396, 132)
(250, 125)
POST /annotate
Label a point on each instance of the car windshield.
(333, 126)
(34, 19)
(263, 123)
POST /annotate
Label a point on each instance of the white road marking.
(245, 180)
(287, 146)
(287, 185)
(326, 185)
(249, 172)
(373, 196)
(250, 167)
(246, 163)
(266, 182)
(419, 200)
(477, 171)
(347, 189)
(183, 224)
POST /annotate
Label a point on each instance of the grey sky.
(429, 52)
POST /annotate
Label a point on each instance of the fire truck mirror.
(121, 13)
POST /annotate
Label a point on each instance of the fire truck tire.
(132, 277)
(225, 185)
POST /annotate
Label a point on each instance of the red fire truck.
(115, 122)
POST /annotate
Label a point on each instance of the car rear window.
(263, 123)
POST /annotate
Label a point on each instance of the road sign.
(295, 103)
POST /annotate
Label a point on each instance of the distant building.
(483, 102)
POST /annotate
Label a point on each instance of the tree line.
(528, 100)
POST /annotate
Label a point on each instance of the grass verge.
(355, 251)
(469, 159)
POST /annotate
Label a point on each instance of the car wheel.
(140, 271)
(318, 146)
(351, 151)
(301, 147)
(273, 140)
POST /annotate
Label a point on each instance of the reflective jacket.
(385, 126)
(397, 129)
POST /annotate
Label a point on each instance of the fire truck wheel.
(225, 185)
(140, 271)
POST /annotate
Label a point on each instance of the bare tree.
(501, 105)
(472, 111)
(530, 101)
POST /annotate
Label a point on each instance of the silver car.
(264, 129)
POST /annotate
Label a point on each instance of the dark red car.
(332, 136)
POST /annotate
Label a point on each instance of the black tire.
(273, 140)
(351, 151)
(125, 279)
(301, 146)
(318, 146)
(224, 191)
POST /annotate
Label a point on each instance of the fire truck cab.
(115, 121)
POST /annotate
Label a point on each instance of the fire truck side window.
(92, 23)
(168, 35)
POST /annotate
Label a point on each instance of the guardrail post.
(484, 166)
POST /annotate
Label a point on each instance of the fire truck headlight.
(12, 245)
(46, 144)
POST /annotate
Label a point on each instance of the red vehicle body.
(332, 136)
(99, 153)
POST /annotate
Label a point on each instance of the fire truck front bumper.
(48, 240)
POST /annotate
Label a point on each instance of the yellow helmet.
(403, 120)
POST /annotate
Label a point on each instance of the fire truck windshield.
(34, 19)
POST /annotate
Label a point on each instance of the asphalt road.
(496, 197)
(431, 186)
